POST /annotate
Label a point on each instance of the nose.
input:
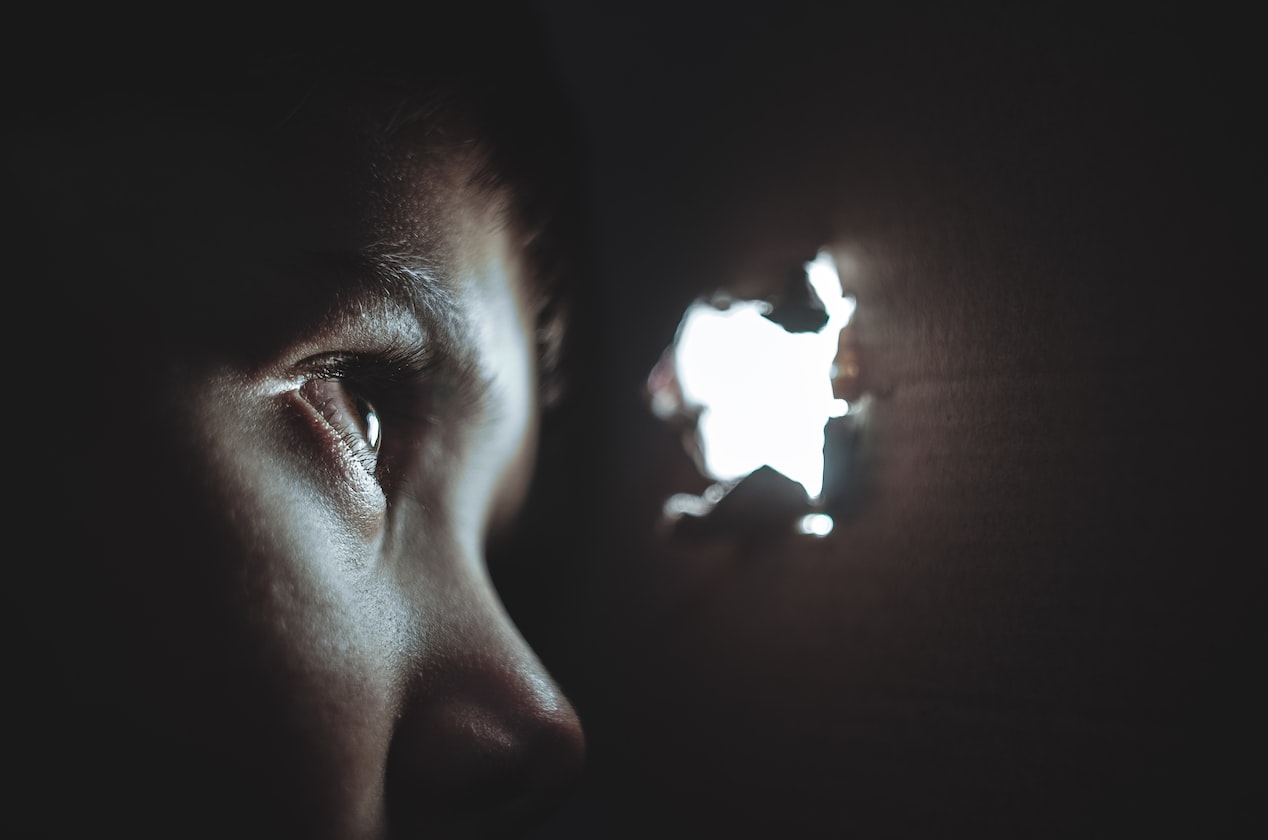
(487, 743)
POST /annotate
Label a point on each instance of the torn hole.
(755, 385)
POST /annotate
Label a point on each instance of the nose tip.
(488, 744)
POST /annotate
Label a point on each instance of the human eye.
(371, 404)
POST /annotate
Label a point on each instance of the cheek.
(301, 520)
(313, 636)
(333, 482)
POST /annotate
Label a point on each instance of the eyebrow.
(411, 281)
(403, 276)
(416, 284)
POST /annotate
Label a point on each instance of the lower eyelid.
(342, 484)
(335, 411)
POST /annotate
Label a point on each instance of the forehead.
(345, 169)
(160, 207)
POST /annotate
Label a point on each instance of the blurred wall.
(1034, 620)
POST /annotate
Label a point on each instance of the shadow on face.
(295, 304)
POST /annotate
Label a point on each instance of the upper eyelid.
(399, 371)
(393, 360)
(405, 284)
(383, 306)
(350, 301)
(349, 333)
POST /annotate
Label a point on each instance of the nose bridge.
(485, 738)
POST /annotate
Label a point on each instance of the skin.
(267, 628)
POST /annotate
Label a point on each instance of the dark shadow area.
(1032, 617)
(1036, 623)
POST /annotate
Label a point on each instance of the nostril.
(495, 755)
(536, 782)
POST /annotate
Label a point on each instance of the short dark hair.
(480, 73)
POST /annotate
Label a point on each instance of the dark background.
(1037, 622)
(1055, 643)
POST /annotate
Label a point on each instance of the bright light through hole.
(763, 394)
(815, 524)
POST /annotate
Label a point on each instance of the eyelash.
(393, 384)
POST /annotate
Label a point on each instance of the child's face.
(332, 416)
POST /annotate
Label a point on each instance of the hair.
(473, 74)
